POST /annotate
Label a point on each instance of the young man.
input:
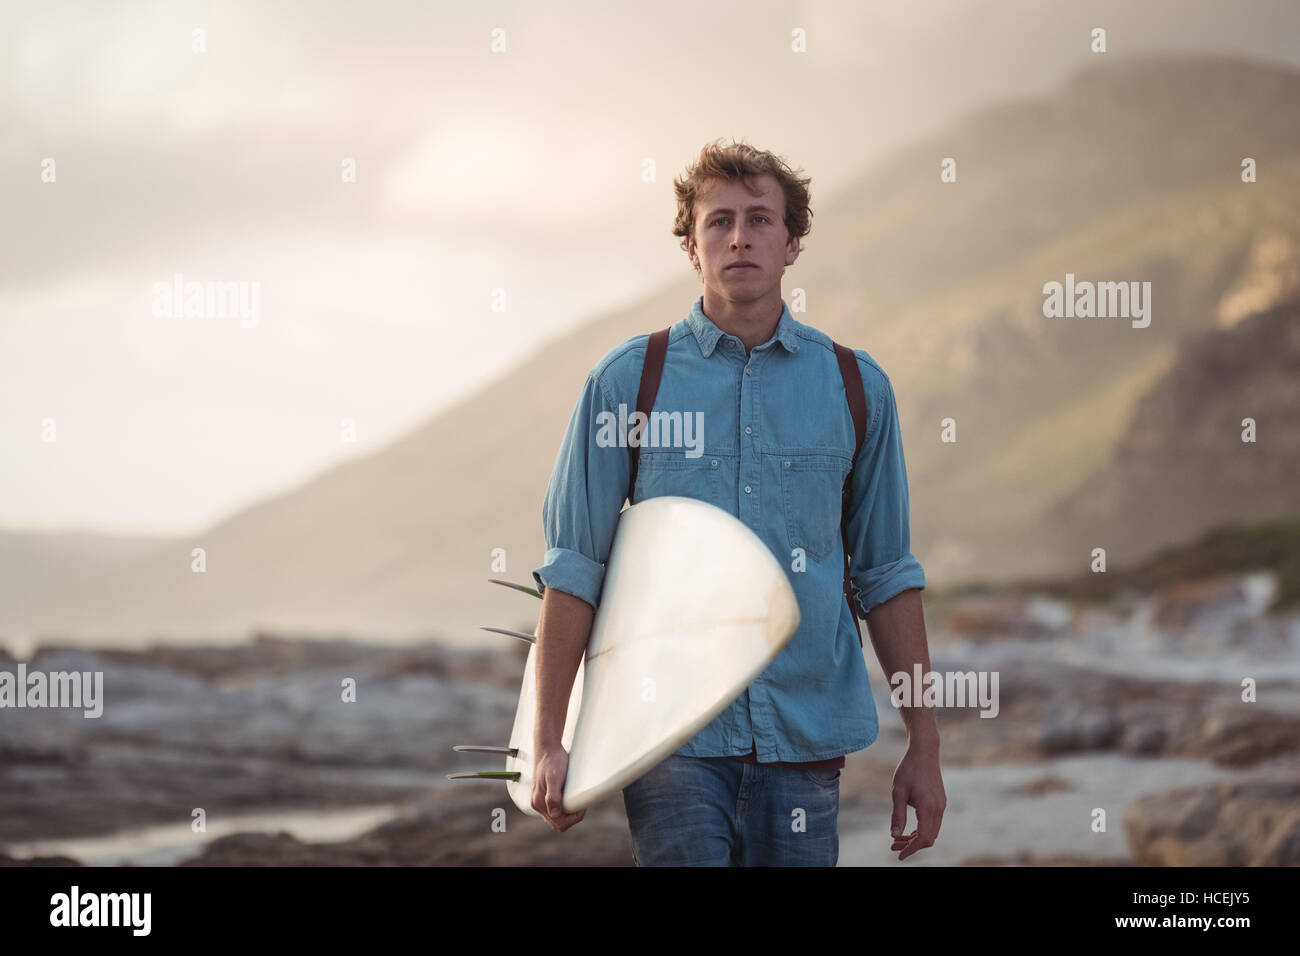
(760, 784)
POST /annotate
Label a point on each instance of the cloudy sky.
(128, 156)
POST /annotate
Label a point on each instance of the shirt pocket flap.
(812, 484)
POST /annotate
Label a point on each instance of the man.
(760, 784)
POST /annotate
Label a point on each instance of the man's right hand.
(550, 769)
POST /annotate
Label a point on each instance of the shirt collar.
(707, 334)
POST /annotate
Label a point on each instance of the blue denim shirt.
(777, 443)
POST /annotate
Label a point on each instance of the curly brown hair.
(740, 162)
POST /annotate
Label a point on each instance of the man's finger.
(569, 819)
(927, 824)
(927, 830)
(563, 821)
(554, 796)
(899, 818)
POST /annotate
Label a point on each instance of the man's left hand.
(917, 783)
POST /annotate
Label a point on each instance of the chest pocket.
(811, 485)
(672, 473)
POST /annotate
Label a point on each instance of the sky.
(496, 146)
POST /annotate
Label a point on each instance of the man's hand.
(549, 772)
(917, 783)
(897, 628)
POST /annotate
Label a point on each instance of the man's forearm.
(562, 635)
(897, 629)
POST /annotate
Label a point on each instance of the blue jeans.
(719, 811)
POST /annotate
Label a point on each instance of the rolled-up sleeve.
(881, 564)
(583, 500)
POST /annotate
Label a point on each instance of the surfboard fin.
(485, 775)
(475, 749)
(518, 587)
(530, 638)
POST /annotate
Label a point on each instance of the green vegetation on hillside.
(1268, 546)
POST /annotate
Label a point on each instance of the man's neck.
(751, 322)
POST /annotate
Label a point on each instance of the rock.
(453, 828)
(1143, 738)
(1244, 823)
(1247, 735)
(260, 727)
(983, 617)
(1048, 784)
(39, 861)
(1181, 605)
(1071, 726)
(1024, 858)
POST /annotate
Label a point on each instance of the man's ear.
(792, 250)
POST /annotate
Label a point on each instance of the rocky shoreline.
(265, 727)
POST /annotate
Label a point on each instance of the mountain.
(1071, 433)
(1181, 466)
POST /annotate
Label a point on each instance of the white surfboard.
(694, 607)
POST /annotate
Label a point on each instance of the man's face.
(733, 225)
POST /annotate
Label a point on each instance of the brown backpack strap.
(858, 409)
(652, 371)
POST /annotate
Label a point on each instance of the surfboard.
(694, 606)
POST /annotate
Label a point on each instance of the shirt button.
(747, 489)
(785, 464)
(748, 430)
(748, 370)
(713, 463)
